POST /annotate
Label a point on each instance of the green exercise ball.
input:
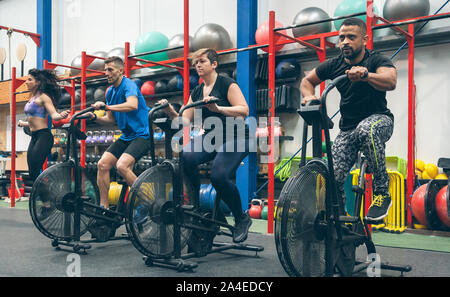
(350, 7)
(152, 41)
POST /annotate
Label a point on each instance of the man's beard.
(352, 53)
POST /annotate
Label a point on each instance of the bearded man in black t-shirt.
(366, 123)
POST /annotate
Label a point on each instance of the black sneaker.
(379, 208)
(241, 228)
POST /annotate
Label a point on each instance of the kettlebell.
(95, 137)
(102, 137)
(255, 209)
(110, 137)
(56, 139)
(63, 138)
(117, 134)
(89, 137)
(265, 210)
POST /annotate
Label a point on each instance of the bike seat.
(444, 163)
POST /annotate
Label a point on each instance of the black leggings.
(223, 169)
(39, 148)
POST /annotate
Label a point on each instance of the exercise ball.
(99, 94)
(64, 100)
(161, 86)
(178, 40)
(90, 94)
(77, 97)
(442, 204)
(308, 15)
(174, 83)
(395, 10)
(418, 205)
(76, 62)
(117, 52)
(152, 41)
(98, 64)
(350, 7)
(148, 88)
(212, 36)
(262, 36)
(287, 68)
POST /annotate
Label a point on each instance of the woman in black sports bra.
(45, 92)
(224, 137)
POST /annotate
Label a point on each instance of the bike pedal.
(188, 207)
(348, 219)
(85, 198)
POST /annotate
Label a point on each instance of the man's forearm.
(307, 88)
(382, 81)
(124, 107)
(104, 120)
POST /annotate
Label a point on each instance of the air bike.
(165, 220)
(313, 236)
(64, 201)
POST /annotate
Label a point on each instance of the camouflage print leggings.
(370, 137)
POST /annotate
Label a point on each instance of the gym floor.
(28, 253)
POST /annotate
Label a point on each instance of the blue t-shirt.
(133, 124)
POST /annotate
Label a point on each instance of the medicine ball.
(161, 86)
(287, 68)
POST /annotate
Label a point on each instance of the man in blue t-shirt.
(126, 107)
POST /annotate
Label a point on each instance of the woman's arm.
(48, 105)
(238, 108)
(21, 123)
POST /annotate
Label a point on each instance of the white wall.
(100, 25)
(19, 15)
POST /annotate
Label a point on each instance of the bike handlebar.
(77, 116)
(156, 108)
(330, 86)
(195, 104)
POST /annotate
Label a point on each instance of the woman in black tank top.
(224, 123)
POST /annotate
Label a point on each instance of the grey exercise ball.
(178, 40)
(395, 10)
(212, 36)
(76, 62)
(308, 15)
(98, 64)
(99, 94)
(118, 52)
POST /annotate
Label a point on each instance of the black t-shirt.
(358, 99)
(220, 91)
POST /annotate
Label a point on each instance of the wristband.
(365, 75)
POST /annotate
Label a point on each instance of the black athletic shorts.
(137, 148)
